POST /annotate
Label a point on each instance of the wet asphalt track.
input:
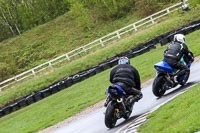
(94, 122)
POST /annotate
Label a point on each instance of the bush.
(6, 70)
(147, 7)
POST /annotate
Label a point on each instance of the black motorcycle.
(120, 105)
(168, 77)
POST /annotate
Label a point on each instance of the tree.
(21, 15)
(80, 15)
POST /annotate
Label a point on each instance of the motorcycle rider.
(175, 51)
(127, 77)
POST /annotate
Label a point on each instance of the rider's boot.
(129, 103)
(135, 98)
(132, 99)
(181, 73)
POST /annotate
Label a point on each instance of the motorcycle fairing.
(116, 90)
(163, 66)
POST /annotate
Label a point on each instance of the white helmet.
(123, 60)
(179, 38)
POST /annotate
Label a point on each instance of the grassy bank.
(26, 87)
(70, 101)
(178, 116)
(83, 22)
(51, 40)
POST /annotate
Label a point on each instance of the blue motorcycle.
(120, 105)
(168, 77)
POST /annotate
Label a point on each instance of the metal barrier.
(98, 42)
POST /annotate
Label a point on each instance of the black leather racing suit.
(174, 53)
(128, 77)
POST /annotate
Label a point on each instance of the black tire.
(110, 117)
(158, 86)
(185, 78)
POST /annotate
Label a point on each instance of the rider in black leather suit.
(127, 77)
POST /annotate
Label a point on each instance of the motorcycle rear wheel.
(110, 117)
(158, 86)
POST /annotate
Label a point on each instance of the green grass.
(181, 115)
(68, 102)
(51, 40)
(40, 82)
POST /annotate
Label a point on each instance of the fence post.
(16, 78)
(67, 56)
(50, 65)
(84, 49)
(118, 35)
(33, 72)
(168, 11)
(134, 26)
(153, 22)
(101, 42)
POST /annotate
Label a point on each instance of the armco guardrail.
(80, 76)
(101, 41)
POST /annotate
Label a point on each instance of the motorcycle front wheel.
(110, 116)
(159, 86)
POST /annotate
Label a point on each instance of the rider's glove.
(191, 57)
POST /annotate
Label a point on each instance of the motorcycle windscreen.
(163, 66)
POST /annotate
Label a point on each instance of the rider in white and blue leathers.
(177, 50)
